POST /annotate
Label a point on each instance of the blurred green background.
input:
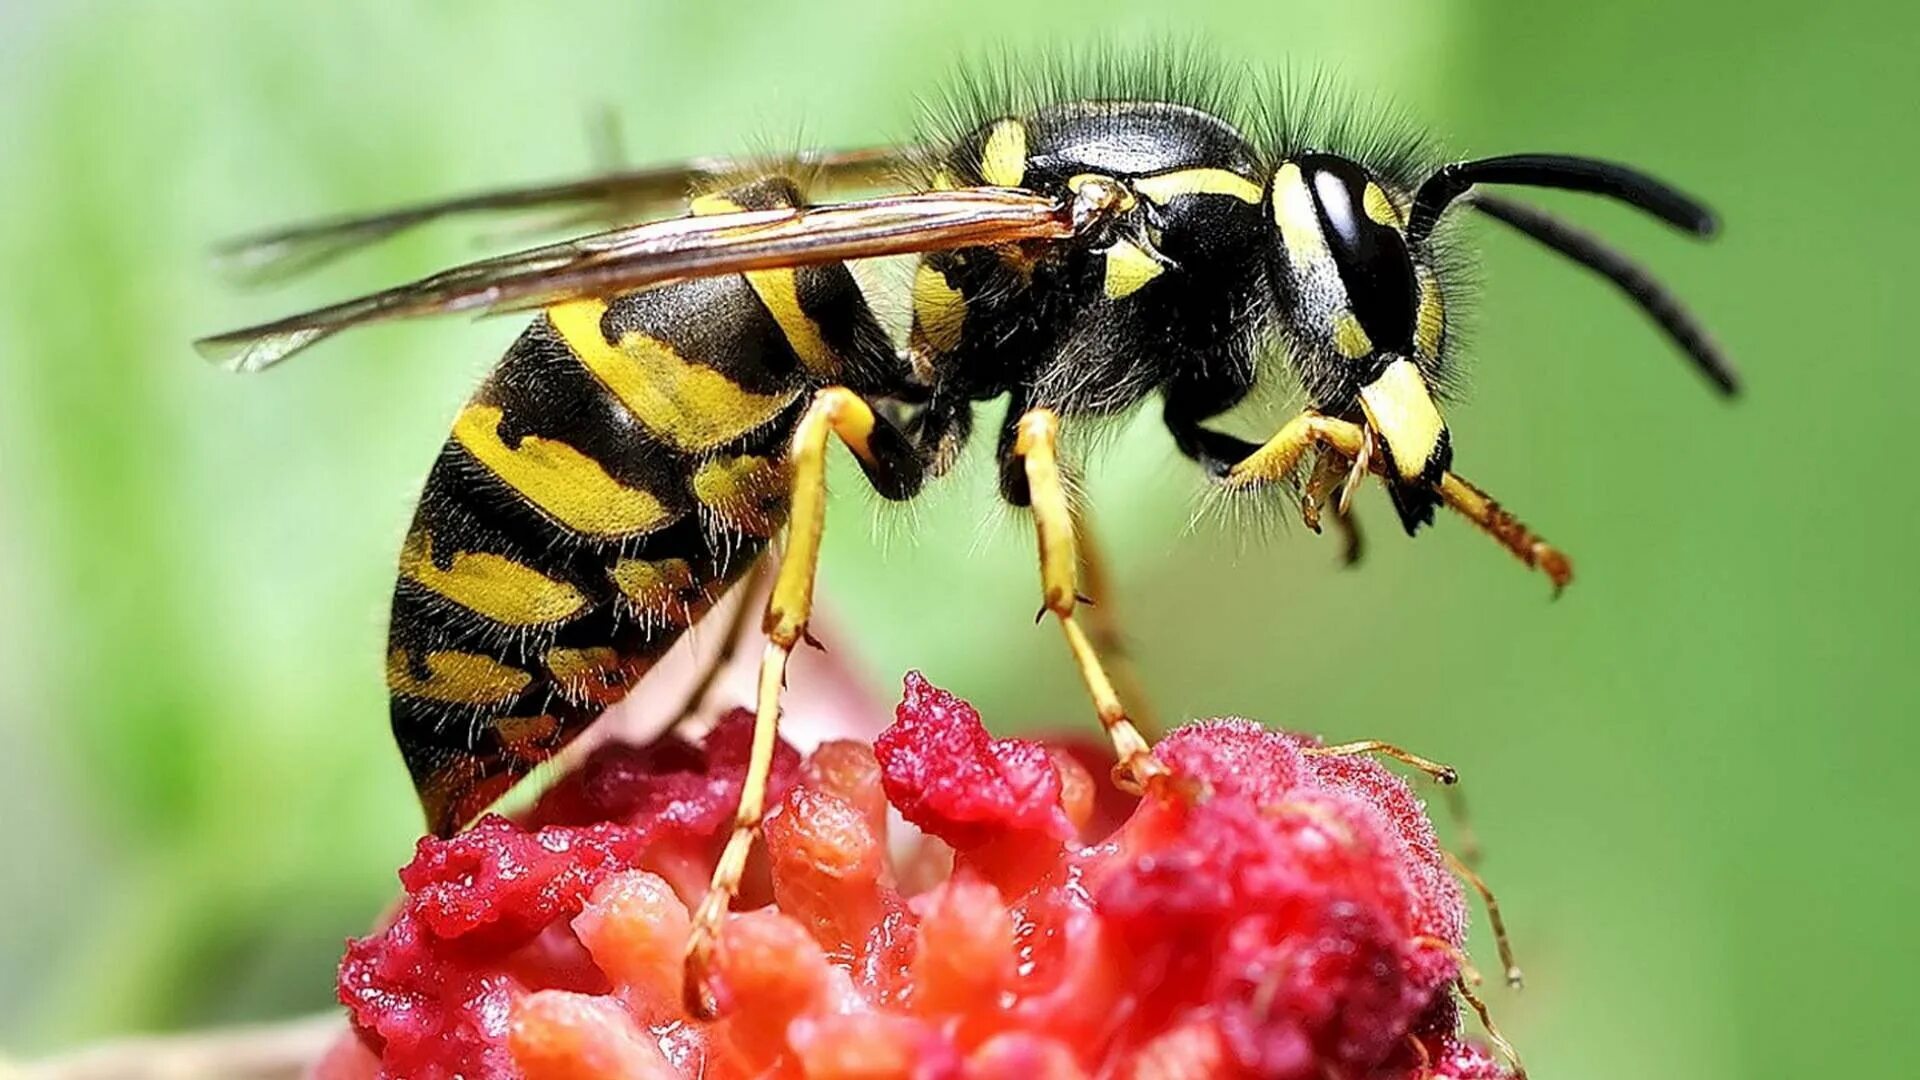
(1692, 772)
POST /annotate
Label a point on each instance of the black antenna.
(1664, 308)
(1565, 171)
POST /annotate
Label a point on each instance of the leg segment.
(1441, 774)
(1331, 485)
(1036, 447)
(891, 463)
(1515, 979)
(1463, 866)
(1104, 626)
(1280, 456)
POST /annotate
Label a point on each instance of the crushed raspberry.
(951, 779)
(1265, 913)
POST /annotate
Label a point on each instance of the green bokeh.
(1688, 770)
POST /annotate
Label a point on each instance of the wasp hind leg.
(896, 472)
(1036, 448)
(1278, 457)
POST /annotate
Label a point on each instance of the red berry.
(1271, 913)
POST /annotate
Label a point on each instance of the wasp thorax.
(1346, 255)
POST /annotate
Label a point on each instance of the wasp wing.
(639, 256)
(627, 195)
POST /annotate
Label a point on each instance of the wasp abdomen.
(620, 467)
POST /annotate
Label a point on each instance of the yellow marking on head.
(779, 290)
(689, 405)
(716, 202)
(1126, 201)
(459, 678)
(660, 589)
(1430, 318)
(939, 311)
(1129, 267)
(1003, 161)
(567, 485)
(745, 492)
(1350, 337)
(1167, 186)
(1293, 211)
(491, 585)
(1380, 207)
(944, 181)
(1400, 408)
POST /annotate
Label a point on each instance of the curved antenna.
(1565, 171)
(1659, 303)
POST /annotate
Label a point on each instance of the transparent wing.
(639, 256)
(628, 195)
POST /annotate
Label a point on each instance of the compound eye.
(1362, 230)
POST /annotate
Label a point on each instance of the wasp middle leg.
(1036, 446)
(1106, 630)
(896, 471)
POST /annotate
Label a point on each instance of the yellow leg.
(1037, 447)
(1105, 630)
(1280, 456)
(835, 411)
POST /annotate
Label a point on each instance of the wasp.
(670, 407)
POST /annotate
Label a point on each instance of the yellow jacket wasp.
(670, 407)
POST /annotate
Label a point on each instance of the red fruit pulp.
(1266, 914)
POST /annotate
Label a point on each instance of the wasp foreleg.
(1277, 459)
(1331, 486)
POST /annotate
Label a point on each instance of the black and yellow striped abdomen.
(617, 470)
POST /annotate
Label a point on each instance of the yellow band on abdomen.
(458, 678)
(491, 585)
(686, 404)
(564, 483)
